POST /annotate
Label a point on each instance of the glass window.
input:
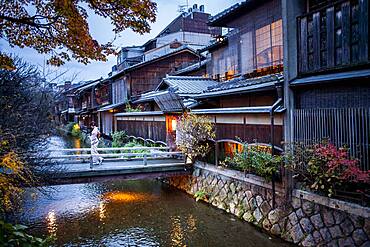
(247, 53)
(269, 45)
(277, 42)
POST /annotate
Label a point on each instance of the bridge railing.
(114, 154)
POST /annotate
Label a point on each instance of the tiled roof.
(242, 84)
(226, 12)
(188, 85)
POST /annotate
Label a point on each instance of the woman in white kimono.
(94, 138)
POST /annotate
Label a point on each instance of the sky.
(101, 30)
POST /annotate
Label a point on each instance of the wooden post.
(216, 153)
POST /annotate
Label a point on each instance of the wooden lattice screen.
(347, 127)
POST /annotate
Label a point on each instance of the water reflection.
(102, 214)
(124, 196)
(177, 235)
(52, 223)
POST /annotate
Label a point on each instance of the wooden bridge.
(74, 165)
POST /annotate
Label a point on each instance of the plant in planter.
(326, 167)
(254, 160)
(193, 135)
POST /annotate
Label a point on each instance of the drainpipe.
(272, 110)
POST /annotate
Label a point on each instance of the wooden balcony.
(335, 37)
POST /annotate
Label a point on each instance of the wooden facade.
(254, 47)
(334, 37)
(147, 127)
(328, 91)
(146, 76)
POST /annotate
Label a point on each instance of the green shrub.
(200, 195)
(120, 138)
(15, 235)
(69, 126)
(129, 108)
(253, 160)
(76, 131)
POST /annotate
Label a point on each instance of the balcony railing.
(334, 37)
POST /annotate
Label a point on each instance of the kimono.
(96, 159)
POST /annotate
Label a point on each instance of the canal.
(131, 213)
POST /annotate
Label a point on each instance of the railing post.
(145, 160)
(91, 161)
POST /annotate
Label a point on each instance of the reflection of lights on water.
(192, 223)
(179, 231)
(101, 211)
(52, 223)
(121, 196)
(177, 235)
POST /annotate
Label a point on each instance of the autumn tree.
(60, 28)
(25, 123)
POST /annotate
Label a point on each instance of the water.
(132, 213)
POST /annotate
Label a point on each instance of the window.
(119, 92)
(247, 53)
(269, 45)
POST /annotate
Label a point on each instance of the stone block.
(274, 216)
(335, 231)
(299, 213)
(232, 207)
(308, 207)
(325, 234)
(306, 225)
(265, 208)
(266, 224)
(275, 229)
(296, 233)
(346, 242)
(296, 202)
(308, 241)
(357, 221)
(317, 237)
(339, 217)
(252, 204)
(359, 237)
(317, 221)
(259, 200)
(328, 218)
(257, 215)
(248, 216)
(248, 194)
(293, 219)
(347, 227)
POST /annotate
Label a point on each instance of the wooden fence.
(349, 127)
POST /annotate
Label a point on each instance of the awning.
(359, 74)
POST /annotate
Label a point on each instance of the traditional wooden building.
(242, 92)
(327, 80)
(140, 69)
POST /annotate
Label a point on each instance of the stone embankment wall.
(309, 220)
